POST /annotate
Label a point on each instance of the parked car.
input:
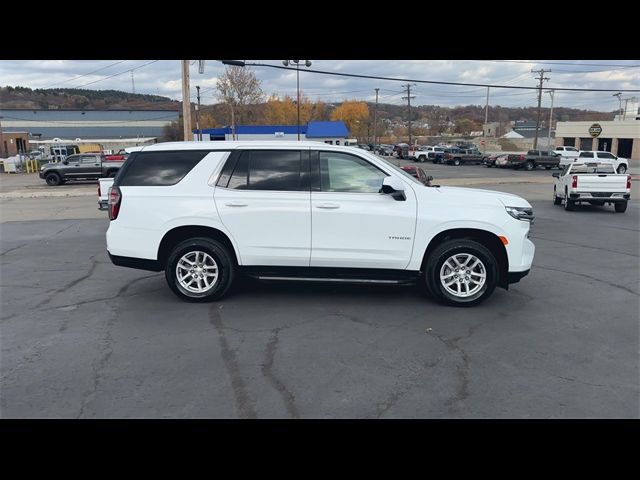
(418, 173)
(596, 183)
(207, 212)
(458, 156)
(533, 159)
(78, 167)
(401, 150)
(490, 160)
(571, 152)
(425, 153)
(620, 164)
(385, 150)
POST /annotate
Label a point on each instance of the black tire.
(622, 169)
(569, 205)
(620, 207)
(443, 252)
(111, 173)
(456, 162)
(529, 166)
(422, 158)
(225, 262)
(556, 199)
(53, 179)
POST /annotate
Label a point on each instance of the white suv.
(620, 164)
(205, 212)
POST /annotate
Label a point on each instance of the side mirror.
(556, 175)
(394, 187)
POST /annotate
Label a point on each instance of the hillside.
(72, 98)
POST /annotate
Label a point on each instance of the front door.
(353, 225)
(263, 199)
(73, 169)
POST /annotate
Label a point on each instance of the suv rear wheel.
(200, 270)
(461, 272)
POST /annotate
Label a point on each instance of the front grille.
(601, 194)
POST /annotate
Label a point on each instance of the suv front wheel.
(461, 272)
(200, 270)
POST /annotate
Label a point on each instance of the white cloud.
(163, 78)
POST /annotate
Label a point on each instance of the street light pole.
(198, 115)
(307, 63)
(550, 92)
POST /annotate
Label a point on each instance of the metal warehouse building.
(335, 133)
(87, 124)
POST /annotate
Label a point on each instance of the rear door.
(263, 199)
(354, 225)
(90, 166)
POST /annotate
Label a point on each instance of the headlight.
(521, 213)
(42, 168)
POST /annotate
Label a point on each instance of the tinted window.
(274, 170)
(340, 172)
(158, 168)
(571, 149)
(89, 159)
(586, 154)
(606, 155)
(239, 176)
(73, 158)
(267, 170)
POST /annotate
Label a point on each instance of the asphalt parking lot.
(81, 338)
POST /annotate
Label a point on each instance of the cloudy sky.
(162, 77)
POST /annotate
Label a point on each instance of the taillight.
(629, 182)
(115, 198)
(574, 183)
(521, 157)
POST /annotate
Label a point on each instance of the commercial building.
(334, 133)
(13, 143)
(620, 136)
(87, 124)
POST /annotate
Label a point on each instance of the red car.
(418, 173)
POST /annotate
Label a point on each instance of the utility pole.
(619, 95)
(198, 115)
(133, 83)
(550, 92)
(375, 122)
(541, 78)
(186, 102)
(486, 119)
(408, 98)
(3, 152)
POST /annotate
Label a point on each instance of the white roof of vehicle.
(230, 145)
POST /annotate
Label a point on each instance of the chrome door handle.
(236, 204)
(328, 206)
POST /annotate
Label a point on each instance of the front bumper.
(515, 277)
(41, 174)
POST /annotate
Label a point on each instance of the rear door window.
(276, 170)
(158, 168)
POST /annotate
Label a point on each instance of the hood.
(486, 197)
(50, 165)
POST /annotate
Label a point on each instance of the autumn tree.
(238, 87)
(354, 114)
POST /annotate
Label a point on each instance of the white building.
(620, 136)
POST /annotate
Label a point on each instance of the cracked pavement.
(81, 338)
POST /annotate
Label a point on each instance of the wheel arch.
(489, 239)
(178, 234)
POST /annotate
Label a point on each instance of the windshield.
(592, 168)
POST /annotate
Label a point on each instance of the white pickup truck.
(422, 154)
(594, 183)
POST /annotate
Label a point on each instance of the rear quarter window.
(157, 168)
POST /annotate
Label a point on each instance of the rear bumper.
(138, 263)
(588, 196)
(515, 277)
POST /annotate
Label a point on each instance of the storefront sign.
(595, 130)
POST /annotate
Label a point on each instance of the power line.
(410, 80)
(84, 74)
(116, 74)
(565, 63)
